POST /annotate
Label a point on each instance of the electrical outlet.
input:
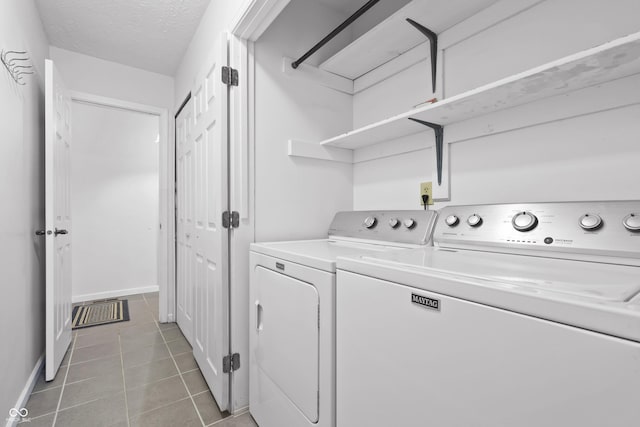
(426, 188)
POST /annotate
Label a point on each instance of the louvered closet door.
(185, 220)
(210, 239)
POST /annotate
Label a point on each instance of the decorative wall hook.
(17, 64)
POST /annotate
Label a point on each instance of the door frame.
(166, 228)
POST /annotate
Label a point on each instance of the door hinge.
(230, 219)
(229, 76)
(231, 363)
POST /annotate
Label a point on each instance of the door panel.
(210, 239)
(288, 337)
(58, 219)
(185, 268)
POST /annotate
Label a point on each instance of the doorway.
(115, 201)
(163, 227)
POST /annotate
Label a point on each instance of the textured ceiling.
(148, 34)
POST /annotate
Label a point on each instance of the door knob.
(41, 232)
(60, 232)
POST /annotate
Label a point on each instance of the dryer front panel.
(287, 334)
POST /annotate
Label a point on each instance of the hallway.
(135, 373)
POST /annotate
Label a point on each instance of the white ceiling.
(148, 34)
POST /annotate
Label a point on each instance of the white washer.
(519, 315)
(292, 336)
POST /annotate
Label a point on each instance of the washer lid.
(320, 254)
(550, 276)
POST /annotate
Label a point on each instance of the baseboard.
(114, 294)
(26, 391)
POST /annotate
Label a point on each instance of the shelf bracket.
(433, 40)
(439, 131)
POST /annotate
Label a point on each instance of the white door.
(287, 346)
(210, 240)
(58, 219)
(185, 209)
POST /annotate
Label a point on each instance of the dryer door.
(287, 337)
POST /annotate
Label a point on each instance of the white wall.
(592, 157)
(217, 19)
(114, 202)
(22, 212)
(296, 198)
(105, 78)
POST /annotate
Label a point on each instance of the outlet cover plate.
(426, 188)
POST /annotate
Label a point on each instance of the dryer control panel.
(405, 227)
(566, 230)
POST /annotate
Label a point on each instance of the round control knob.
(370, 222)
(409, 223)
(393, 222)
(474, 220)
(590, 222)
(452, 220)
(524, 221)
(632, 222)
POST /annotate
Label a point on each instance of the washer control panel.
(411, 227)
(609, 229)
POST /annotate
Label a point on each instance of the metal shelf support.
(433, 40)
(439, 131)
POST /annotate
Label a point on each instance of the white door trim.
(166, 249)
(256, 17)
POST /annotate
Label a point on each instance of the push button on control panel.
(393, 222)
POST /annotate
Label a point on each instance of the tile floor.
(135, 373)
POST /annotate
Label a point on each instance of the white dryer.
(520, 315)
(292, 294)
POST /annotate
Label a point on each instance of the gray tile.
(208, 408)
(145, 355)
(44, 421)
(166, 326)
(195, 382)
(181, 413)
(106, 337)
(150, 372)
(136, 341)
(101, 329)
(155, 395)
(138, 306)
(98, 351)
(244, 420)
(186, 362)
(108, 366)
(179, 346)
(110, 411)
(41, 384)
(172, 334)
(43, 402)
(67, 356)
(91, 389)
(138, 328)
